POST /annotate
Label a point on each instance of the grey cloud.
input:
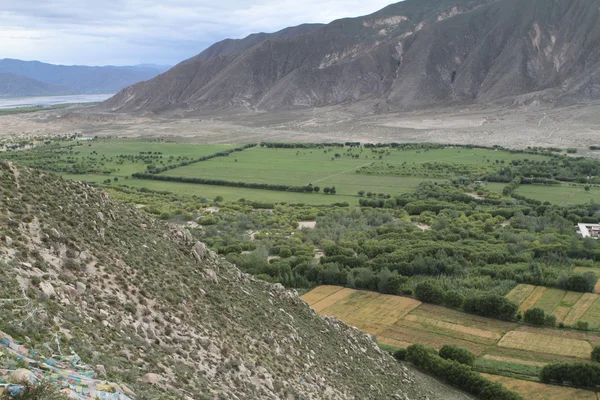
(145, 31)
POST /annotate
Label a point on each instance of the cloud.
(125, 32)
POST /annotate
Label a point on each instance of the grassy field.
(298, 168)
(540, 391)
(563, 195)
(567, 307)
(388, 171)
(502, 348)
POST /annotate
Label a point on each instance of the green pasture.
(112, 148)
(454, 155)
(562, 195)
(298, 168)
(228, 193)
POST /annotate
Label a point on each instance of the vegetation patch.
(546, 344)
(540, 391)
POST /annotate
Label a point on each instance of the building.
(589, 230)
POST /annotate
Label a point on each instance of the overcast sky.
(126, 32)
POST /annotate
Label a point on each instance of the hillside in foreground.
(160, 315)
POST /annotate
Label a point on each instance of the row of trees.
(456, 373)
(155, 170)
(250, 185)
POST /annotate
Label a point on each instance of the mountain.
(16, 85)
(416, 53)
(152, 310)
(81, 79)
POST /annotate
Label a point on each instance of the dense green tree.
(429, 293)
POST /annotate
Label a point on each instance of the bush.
(427, 292)
(582, 325)
(454, 299)
(400, 354)
(578, 374)
(459, 375)
(491, 305)
(535, 316)
(596, 354)
(458, 354)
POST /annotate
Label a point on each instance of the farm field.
(388, 171)
(501, 347)
(563, 194)
(567, 307)
(540, 391)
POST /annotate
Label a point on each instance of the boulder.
(151, 378)
(8, 240)
(211, 276)
(101, 370)
(22, 375)
(81, 288)
(199, 251)
(47, 289)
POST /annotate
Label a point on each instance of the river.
(13, 102)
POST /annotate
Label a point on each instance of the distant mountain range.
(416, 53)
(34, 78)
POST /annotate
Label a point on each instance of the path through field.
(342, 173)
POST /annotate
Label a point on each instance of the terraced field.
(502, 348)
(567, 307)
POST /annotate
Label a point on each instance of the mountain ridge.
(79, 79)
(12, 85)
(410, 54)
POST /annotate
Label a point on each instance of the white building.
(589, 230)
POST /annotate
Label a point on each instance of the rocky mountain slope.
(417, 53)
(17, 85)
(160, 316)
(76, 79)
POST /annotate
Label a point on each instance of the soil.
(506, 125)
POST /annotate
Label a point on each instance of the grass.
(550, 300)
(540, 391)
(533, 298)
(592, 314)
(541, 343)
(520, 293)
(298, 168)
(580, 309)
(498, 366)
(563, 194)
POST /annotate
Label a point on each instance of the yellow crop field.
(560, 313)
(454, 327)
(520, 293)
(533, 298)
(580, 308)
(371, 312)
(514, 360)
(570, 299)
(540, 391)
(332, 299)
(550, 299)
(460, 318)
(319, 293)
(409, 334)
(541, 343)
